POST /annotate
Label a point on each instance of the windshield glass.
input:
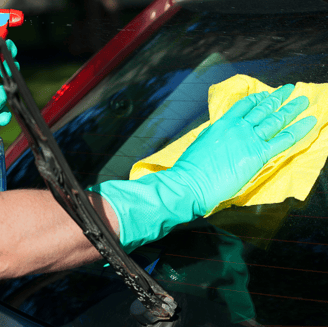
(149, 102)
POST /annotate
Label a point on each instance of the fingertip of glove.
(289, 86)
(3, 94)
(8, 69)
(12, 47)
(303, 97)
(5, 118)
(312, 120)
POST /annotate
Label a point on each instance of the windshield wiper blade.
(60, 180)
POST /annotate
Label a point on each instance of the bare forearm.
(38, 236)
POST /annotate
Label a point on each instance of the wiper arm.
(66, 190)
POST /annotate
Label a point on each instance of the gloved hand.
(223, 158)
(5, 114)
(226, 155)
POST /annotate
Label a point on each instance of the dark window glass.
(148, 103)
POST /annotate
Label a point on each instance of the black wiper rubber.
(66, 190)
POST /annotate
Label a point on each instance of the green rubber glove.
(223, 158)
(5, 114)
(227, 154)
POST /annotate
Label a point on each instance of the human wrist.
(148, 208)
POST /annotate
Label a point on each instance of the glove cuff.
(148, 208)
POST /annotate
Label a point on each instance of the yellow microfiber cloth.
(292, 173)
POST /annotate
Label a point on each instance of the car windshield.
(150, 101)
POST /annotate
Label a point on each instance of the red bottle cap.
(16, 18)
